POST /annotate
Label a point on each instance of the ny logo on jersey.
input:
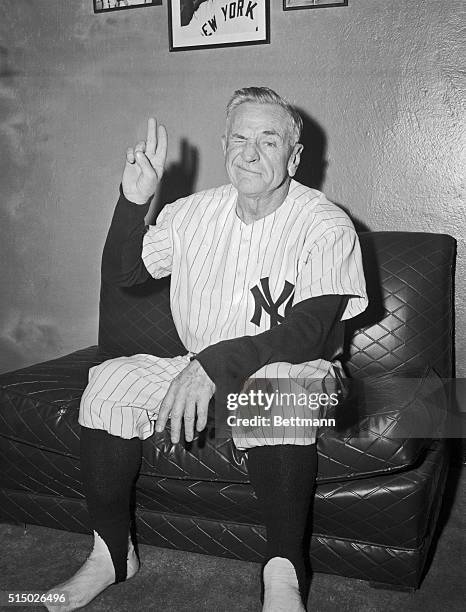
(263, 301)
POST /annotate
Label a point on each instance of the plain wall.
(381, 78)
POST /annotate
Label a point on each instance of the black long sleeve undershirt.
(311, 330)
(122, 263)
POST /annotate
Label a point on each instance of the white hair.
(265, 95)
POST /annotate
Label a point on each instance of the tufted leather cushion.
(40, 406)
(409, 321)
(385, 426)
(39, 403)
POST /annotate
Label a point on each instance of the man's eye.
(270, 143)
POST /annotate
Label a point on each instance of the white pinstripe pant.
(123, 397)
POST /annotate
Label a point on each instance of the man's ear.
(224, 144)
(294, 159)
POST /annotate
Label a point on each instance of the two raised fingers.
(154, 147)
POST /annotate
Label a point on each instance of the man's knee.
(108, 368)
(110, 379)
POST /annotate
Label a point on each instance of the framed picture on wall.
(102, 6)
(200, 24)
(291, 5)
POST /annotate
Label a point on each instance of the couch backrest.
(409, 322)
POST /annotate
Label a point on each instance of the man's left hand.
(188, 396)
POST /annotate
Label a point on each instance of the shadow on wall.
(178, 181)
(6, 72)
(180, 177)
(313, 166)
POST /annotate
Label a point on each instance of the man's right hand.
(145, 164)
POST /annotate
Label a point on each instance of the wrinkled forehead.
(251, 118)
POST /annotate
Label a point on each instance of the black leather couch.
(380, 480)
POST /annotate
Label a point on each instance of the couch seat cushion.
(39, 407)
(385, 425)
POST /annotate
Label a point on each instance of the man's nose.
(250, 151)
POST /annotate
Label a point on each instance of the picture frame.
(206, 24)
(294, 5)
(104, 6)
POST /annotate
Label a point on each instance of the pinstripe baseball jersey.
(232, 279)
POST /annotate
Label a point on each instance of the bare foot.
(92, 578)
(281, 590)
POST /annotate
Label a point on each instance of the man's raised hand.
(145, 164)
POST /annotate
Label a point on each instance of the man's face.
(259, 155)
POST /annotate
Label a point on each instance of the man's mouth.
(247, 170)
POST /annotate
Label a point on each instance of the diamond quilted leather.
(409, 321)
(384, 425)
(384, 509)
(138, 320)
(30, 468)
(389, 509)
(38, 404)
(364, 556)
(39, 407)
(393, 510)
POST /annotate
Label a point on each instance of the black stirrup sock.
(109, 468)
(283, 479)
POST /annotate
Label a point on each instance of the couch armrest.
(39, 404)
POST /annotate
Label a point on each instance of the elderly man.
(264, 273)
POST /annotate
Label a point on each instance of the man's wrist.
(135, 200)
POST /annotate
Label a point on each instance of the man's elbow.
(128, 277)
